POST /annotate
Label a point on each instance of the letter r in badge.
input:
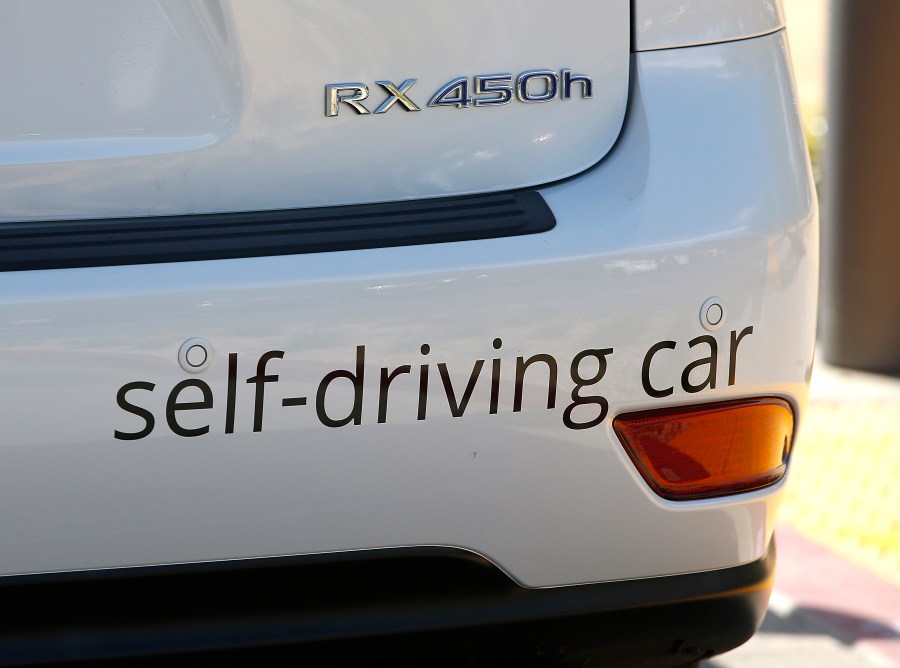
(351, 94)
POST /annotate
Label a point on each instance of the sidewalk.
(844, 487)
(836, 600)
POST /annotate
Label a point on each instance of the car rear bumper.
(432, 606)
(707, 193)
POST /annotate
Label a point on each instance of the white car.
(397, 331)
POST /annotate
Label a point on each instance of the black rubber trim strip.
(123, 241)
(429, 601)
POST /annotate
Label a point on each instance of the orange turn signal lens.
(708, 450)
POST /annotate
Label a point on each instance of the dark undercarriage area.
(399, 607)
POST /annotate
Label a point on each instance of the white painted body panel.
(174, 107)
(668, 24)
(707, 192)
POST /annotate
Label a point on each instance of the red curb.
(850, 602)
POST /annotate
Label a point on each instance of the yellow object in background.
(843, 488)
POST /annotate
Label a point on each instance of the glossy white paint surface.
(707, 193)
(91, 81)
(171, 107)
(666, 24)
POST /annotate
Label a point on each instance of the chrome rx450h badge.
(482, 90)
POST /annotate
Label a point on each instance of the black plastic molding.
(360, 608)
(123, 241)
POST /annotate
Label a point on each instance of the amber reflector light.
(709, 450)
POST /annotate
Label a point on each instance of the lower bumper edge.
(440, 605)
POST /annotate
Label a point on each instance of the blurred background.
(836, 599)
